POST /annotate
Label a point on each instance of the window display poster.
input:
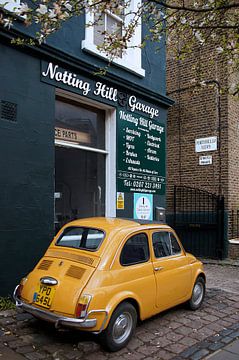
(143, 206)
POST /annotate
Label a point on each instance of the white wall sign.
(205, 160)
(206, 144)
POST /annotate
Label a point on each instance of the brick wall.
(196, 115)
(202, 112)
(233, 251)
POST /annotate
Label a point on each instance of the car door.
(171, 269)
(134, 274)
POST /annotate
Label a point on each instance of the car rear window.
(81, 238)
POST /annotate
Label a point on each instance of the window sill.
(131, 67)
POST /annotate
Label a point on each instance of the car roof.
(108, 224)
(114, 228)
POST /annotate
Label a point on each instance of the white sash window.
(10, 5)
(131, 59)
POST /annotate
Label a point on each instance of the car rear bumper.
(58, 320)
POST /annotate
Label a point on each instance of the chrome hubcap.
(198, 293)
(122, 327)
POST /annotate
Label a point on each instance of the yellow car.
(102, 275)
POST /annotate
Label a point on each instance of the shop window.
(131, 58)
(79, 124)
(79, 164)
(135, 250)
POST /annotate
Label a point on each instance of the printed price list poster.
(141, 154)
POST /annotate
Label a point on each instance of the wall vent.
(8, 111)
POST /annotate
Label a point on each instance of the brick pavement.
(175, 334)
(229, 352)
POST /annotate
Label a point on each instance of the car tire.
(198, 294)
(120, 328)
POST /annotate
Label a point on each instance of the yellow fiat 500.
(102, 275)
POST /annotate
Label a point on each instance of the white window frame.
(12, 5)
(117, 18)
(131, 58)
(110, 147)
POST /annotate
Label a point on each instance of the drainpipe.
(218, 88)
(218, 100)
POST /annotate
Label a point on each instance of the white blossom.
(42, 9)
(7, 23)
(41, 39)
(23, 8)
(52, 14)
(199, 37)
(68, 6)
(219, 49)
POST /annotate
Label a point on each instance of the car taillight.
(82, 306)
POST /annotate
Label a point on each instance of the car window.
(161, 244)
(81, 238)
(135, 250)
(176, 249)
(165, 244)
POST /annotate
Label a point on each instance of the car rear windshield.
(81, 238)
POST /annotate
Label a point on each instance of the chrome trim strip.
(104, 321)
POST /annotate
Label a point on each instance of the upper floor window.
(165, 244)
(110, 22)
(10, 5)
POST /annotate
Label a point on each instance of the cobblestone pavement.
(175, 334)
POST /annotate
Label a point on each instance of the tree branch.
(167, 5)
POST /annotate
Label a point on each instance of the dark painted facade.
(27, 123)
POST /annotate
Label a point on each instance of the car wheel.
(120, 328)
(198, 294)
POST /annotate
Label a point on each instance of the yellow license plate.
(43, 295)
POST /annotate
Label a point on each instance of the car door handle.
(158, 268)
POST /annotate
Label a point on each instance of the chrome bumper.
(59, 321)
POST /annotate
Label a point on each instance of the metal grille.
(199, 221)
(8, 111)
(45, 264)
(75, 272)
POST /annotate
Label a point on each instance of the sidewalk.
(229, 352)
(223, 262)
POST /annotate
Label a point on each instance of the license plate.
(43, 295)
